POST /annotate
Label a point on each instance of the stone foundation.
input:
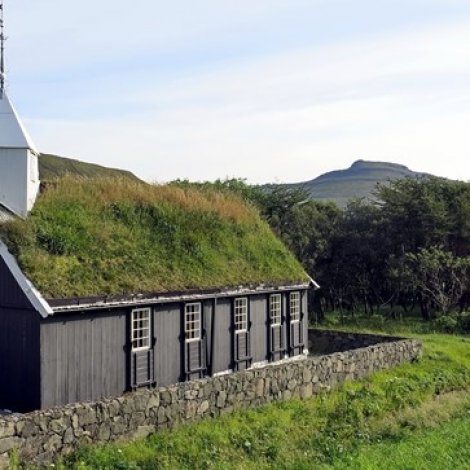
(42, 435)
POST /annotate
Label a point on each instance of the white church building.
(19, 168)
(19, 174)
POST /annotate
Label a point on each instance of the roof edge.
(106, 302)
(32, 294)
(314, 284)
(10, 210)
(27, 138)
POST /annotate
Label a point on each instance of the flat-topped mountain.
(359, 180)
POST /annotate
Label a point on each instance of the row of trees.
(408, 249)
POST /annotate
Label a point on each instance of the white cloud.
(401, 97)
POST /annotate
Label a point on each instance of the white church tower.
(19, 168)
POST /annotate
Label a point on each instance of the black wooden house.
(57, 349)
(54, 352)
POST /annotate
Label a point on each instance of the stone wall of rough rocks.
(41, 435)
(328, 341)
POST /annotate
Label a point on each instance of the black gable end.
(11, 294)
(19, 346)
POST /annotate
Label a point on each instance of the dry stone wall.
(328, 341)
(42, 435)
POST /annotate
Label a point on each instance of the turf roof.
(89, 237)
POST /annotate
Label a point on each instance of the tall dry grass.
(114, 236)
(100, 192)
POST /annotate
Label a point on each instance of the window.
(275, 309)
(294, 307)
(192, 322)
(241, 315)
(140, 329)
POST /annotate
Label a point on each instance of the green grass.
(446, 447)
(52, 167)
(388, 417)
(114, 236)
(407, 324)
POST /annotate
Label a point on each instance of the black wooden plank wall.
(208, 318)
(19, 360)
(259, 328)
(19, 347)
(84, 357)
(222, 355)
(168, 331)
(11, 294)
(87, 356)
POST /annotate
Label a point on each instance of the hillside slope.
(53, 166)
(359, 180)
(88, 237)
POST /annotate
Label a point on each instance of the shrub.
(447, 324)
(464, 322)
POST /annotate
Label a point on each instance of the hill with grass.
(102, 236)
(357, 181)
(53, 166)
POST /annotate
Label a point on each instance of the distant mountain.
(53, 166)
(359, 180)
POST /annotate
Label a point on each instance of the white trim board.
(33, 295)
(314, 284)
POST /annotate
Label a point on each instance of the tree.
(439, 277)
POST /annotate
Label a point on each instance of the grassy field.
(446, 446)
(416, 416)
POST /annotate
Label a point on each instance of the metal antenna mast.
(2, 52)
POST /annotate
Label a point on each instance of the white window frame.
(240, 310)
(294, 314)
(141, 332)
(192, 326)
(275, 309)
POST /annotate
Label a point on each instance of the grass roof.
(89, 237)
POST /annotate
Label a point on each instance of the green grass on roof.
(113, 236)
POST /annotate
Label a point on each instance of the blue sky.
(269, 90)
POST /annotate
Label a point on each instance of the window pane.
(295, 306)
(192, 323)
(275, 309)
(241, 314)
(140, 329)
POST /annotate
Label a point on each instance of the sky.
(267, 90)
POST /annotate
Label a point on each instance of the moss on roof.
(115, 236)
